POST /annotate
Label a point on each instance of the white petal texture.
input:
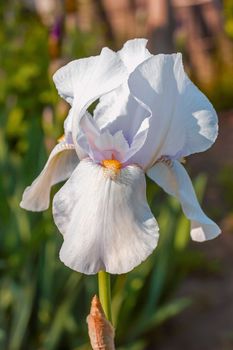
(119, 110)
(60, 165)
(119, 104)
(106, 224)
(85, 80)
(176, 182)
(133, 53)
(183, 120)
(104, 144)
(89, 78)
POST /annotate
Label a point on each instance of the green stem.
(105, 293)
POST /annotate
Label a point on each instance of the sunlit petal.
(85, 80)
(106, 224)
(183, 120)
(133, 53)
(119, 103)
(120, 111)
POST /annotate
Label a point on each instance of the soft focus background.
(182, 296)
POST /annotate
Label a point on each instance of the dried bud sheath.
(100, 330)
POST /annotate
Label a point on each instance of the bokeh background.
(182, 296)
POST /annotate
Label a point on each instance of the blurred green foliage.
(43, 305)
(228, 12)
(225, 179)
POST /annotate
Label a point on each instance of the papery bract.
(149, 115)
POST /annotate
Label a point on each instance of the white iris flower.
(149, 116)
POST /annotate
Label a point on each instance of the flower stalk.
(105, 293)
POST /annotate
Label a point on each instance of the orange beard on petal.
(111, 167)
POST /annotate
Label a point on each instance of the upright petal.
(183, 120)
(133, 53)
(88, 78)
(119, 103)
(100, 74)
(175, 181)
(106, 224)
(60, 165)
(82, 152)
(119, 110)
(138, 140)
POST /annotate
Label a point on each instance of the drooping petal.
(183, 120)
(106, 224)
(175, 181)
(60, 165)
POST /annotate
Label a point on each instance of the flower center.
(112, 164)
(111, 167)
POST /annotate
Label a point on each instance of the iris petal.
(60, 165)
(133, 53)
(176, 182)
(107, 224)
(183, 120)
(116, 109)
(85, 80)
